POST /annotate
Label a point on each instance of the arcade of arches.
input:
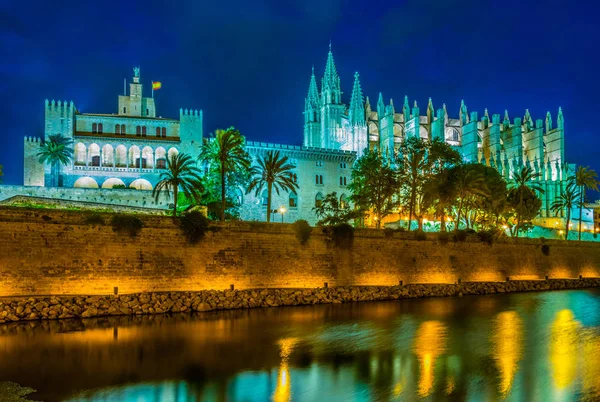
(122, 157)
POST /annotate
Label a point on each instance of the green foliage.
(194, 226)
(272, 172)
(334, 211)
(566, 201)
(341, 235)
(128, 224)
(302, 230)
(460, 235)
(181, 175)
(420, 235)
(546, 249)
(486, 236)
(119, 187)
(374, 183)
(389, 232)
(229, 164)
(56, 151)
(526, 205)
(585, 179)
(443, 237)
(94, 219)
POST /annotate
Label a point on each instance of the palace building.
(128, 149)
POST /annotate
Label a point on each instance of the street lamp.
(282, 212)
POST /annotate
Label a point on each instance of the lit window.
(161, 163)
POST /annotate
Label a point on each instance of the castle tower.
(33, 170)
(59, 118)
(332, 108)
(312, 114)
(190, 131)
(135, 104)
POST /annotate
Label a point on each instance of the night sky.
(247, 63)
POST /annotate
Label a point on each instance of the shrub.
(443, 237)
(127, 224)
(342, 235)
(194, 226)
(420, 235)
(302, 230)
(546, 249)
(486, 236)
(119, 186)
(389, 232)
(460, 235)
(401, 229)
(94, 219)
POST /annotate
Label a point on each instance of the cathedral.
(128, 149)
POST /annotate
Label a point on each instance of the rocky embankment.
(55, 307)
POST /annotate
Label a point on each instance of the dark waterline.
(515, 347)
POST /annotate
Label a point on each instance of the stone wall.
(48, 252)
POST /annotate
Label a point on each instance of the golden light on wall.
(590, 367)
(507, 350)
(283, 392)
(563, 349)
(430, 342)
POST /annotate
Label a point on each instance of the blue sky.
(247, 63)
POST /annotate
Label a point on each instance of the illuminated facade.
(124, 149)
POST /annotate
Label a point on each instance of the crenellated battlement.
(190, 112)
(33, 140)
(60, 106)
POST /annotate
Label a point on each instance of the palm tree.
(182, 173)
(585, 179)
(441, 193)
(274, 172)
(227, 152)
(567, 200)
(522, 180)
(57, 152)
(468, 183)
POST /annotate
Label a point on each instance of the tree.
(493, 204)
(585, 179)
(57, 152)
(440, 193)
(526, 205)
(274, 172)
(183, 175)
(469, 183)
(227, 154)
(334, 211)
(374, 184)
(419, 160)
(525, 179)
(566, 201)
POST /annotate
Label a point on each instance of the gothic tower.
(312, 114)
(356, 115)
(332, 108)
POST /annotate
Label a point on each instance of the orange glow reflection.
(563, 349)
(590, 367)
(507, 339)
(430, 342)
(282, 391)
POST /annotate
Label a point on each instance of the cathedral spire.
(357, 107)
(331, 91)
(313, 93)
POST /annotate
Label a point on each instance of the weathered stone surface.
(47, 308)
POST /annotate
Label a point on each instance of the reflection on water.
(520, 347)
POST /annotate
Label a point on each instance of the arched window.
(341, 181)
(265, 197)
(138, 131)
(117, 129)
(94, 128)
(147, 112)
(293, 200)
(99, 127)
(161, 158)
(122, 129)
(343, 201)
(318, 200)
(124, 110)
(158, 131)
(164, 132)
(94, 155)
(143, 131)
(344, 181)
(317, 179)
(320, 179)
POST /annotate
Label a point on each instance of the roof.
(122, 116)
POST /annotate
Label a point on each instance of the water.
(519, 347)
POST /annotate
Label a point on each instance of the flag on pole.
(156, 85)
